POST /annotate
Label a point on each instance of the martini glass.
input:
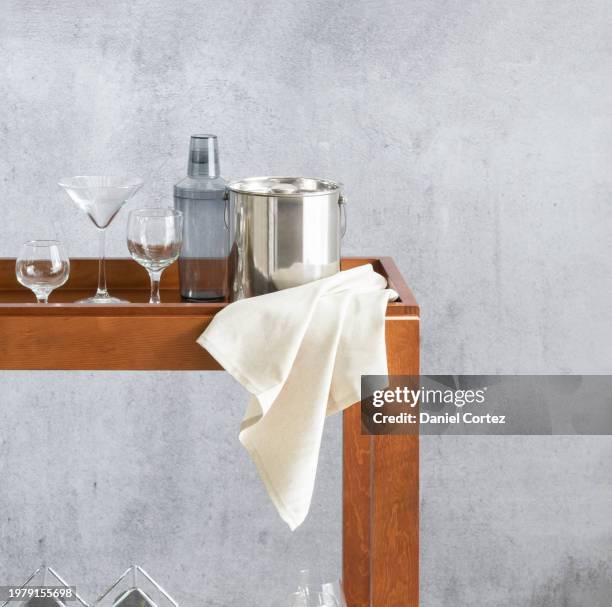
(135, 588)
(44, 588)
(101, 197)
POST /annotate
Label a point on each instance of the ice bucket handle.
(226, 211)
(343, 221)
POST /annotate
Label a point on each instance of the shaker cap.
(203, 156)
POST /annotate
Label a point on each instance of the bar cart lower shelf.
(380, 473)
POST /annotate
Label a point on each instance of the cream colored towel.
(300, 352)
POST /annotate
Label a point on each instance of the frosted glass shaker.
(201, 198)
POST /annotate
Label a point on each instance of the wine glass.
(154, 239)
(101, 197)
(42, 266)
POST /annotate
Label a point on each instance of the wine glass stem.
(155, 278)
(42, 298)
(102, 265)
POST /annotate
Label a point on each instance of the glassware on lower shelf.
(313, 593)
(154, 239)
(335, 590)
(135, 588)
(42, 266)
(312, 599)
(35, 590)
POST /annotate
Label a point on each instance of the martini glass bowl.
(101, 197)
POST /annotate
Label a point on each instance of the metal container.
(286, 232)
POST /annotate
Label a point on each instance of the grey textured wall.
(475, 141)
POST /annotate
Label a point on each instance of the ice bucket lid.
(284, 186)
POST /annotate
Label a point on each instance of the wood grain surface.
(356, 509)
(395, 491)
(147, 343)
(381, 497)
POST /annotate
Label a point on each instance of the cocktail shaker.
(201, 198)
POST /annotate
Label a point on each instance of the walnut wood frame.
(380, 473)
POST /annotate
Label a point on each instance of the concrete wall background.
(475, 140)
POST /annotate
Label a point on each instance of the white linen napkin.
(300, 352)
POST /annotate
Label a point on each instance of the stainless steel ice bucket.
(286, 231)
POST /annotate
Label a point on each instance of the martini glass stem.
(102, 292)
(155, 278)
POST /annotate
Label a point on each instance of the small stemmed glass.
(42, 266)
(154, 239)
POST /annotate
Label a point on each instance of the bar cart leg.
(381, 497)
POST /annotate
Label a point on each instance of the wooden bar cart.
(380, 473)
